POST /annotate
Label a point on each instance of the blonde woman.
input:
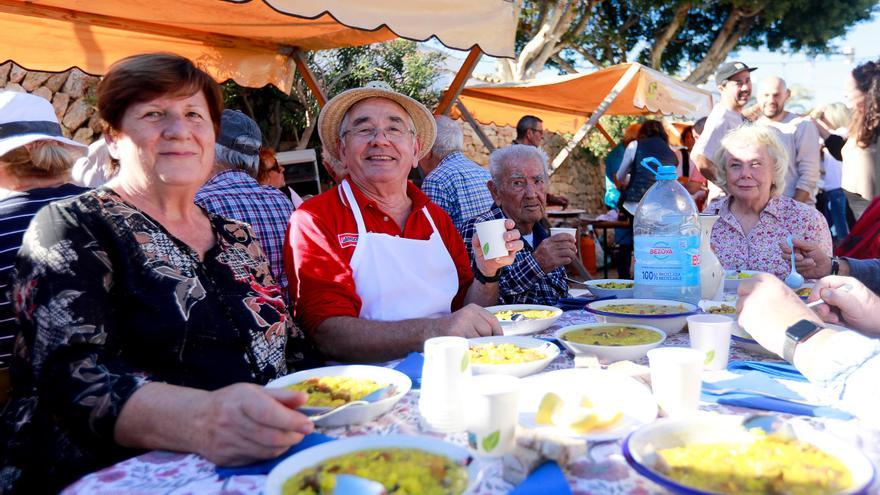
(755, 218)
(833, 199)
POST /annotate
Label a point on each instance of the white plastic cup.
(710, 334)
(491, 236)
(493, 414)
(446, 378)
(676, 378)
(564, 230)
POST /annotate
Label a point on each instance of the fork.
(727, 391)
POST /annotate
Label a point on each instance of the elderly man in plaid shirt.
(455, 183)
(519, 189)
(233, 191)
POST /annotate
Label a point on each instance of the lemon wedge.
(550, 405)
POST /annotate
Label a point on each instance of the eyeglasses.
(369, 133)
(277, 168)
(539, 131)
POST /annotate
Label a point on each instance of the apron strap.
(430, 220)
(355, 209)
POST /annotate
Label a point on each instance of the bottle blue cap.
(666, 172)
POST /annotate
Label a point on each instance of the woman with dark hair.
(146, 322)
(652, 142)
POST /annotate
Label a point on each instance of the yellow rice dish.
(642, 309)
(400, 471)
(739, 275)
(504, 354)
(804, 291)
(723, 309)
(528, 314)
(767, 465)
(332, 391)
(616, 285)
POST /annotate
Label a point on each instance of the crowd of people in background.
(177, 251)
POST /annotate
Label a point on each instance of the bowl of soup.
(732, 278)
(611, 342)
(669, 316)
(610, 287)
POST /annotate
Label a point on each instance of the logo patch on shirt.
(347, 240)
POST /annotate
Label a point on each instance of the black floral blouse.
(108, 301)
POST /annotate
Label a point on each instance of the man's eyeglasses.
(369, 133)
(539, 131)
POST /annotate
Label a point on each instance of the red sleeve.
(455, 245)
(318, 273)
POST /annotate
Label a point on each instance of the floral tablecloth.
(603, 471)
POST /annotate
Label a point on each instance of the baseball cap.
(730, 69)
(240, 133)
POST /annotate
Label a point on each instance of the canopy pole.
(309, 78)
(594, 119)
(470, 120)
(608, 137)
(464, 73)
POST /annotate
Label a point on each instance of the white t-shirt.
(718, 123)
(801, 139)
(530, 238)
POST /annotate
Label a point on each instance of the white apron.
(398, 278)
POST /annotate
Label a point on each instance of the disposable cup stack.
(446, 377)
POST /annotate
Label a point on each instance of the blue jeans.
(835, 213)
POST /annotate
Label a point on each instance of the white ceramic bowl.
(603, 387)
(609, 353)
(707, 305)
(731, 281)
(604, 292)
(670, 323)
(526, 327)
(518, 369)
(640, 448)
(354, 414)
(315, 455)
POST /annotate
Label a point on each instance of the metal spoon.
(794, 279)
(369, 398)
(349, 484)
(844, 287)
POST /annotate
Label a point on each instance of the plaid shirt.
(523, 282)
(235, 194)
(458, 185)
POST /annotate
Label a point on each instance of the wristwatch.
(795, 334)
(835, 265)
(483, 278)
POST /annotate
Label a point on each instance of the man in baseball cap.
(735, 85)
(375, 267)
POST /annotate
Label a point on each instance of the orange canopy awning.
(565, 103)
(248, 41)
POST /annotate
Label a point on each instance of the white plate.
(526, 327)
(580, 293)
(737, 330)
(519, 369)
(632, 398)
(640, 448)
(603, 292)
(670, 323)
(354, 414)
(319, 453)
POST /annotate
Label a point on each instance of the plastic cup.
(493, 414)
(564, 230)
(446, 378)
(491, 236)
(676, 378)
(710, 334)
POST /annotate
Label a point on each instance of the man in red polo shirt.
(374, 267)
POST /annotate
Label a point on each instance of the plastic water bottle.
(667, 240)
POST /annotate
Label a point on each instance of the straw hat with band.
(25, 118)
(331, 116)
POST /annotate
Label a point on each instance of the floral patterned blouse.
(108, 301)
(759, 249)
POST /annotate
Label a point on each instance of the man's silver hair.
(449, 137)
(515, 153)
(227, 159)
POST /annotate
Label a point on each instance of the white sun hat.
(25, 118)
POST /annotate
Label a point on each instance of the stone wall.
(72, 94)
(579, 178)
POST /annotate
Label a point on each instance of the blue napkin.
(755, 380)
(548, 478)
(411, 366)
(776, 369)
(264, 467)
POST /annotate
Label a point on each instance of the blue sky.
(823, 77)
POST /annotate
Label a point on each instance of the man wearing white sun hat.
(374, 267)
